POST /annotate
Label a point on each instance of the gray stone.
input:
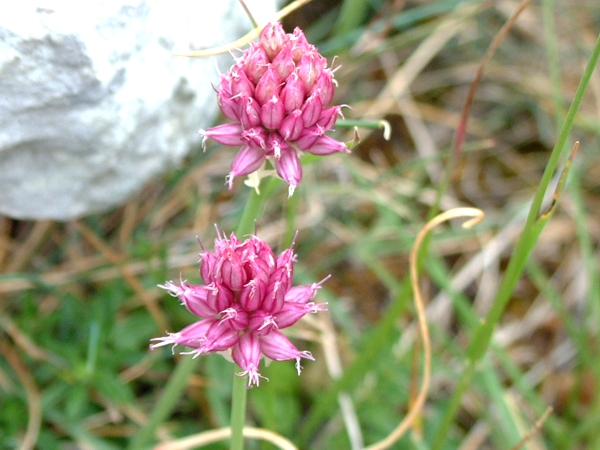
(93, 103)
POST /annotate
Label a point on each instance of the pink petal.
(226, 134)
(290, 313)
(289, 168)
(256, 136)
(248, 160)
(246, 354)
(328, 117)
(277, 347)
(308, 137)
(326, 145)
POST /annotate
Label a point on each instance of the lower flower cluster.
(246, 299)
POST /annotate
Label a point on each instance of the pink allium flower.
(246, 300)
(278, 94)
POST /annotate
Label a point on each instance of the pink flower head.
(246, 300)
(278, 94)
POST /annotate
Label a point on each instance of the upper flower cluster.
(277, 93)
(246, 299)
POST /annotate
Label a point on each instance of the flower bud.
(219, 297)
(268, 85)
(308, 69)
(324, 86)
(241, 86)
(285, 267)
(299, 45)
(249, 112)
(232, 271)
(311, 110)
(284, 63)
(293, 93)
(207, 264)
(256, 62)
(259, 269)
(271, 113)
(292, 126)
(274, 295)
(252, 294)
(227, 103)
(273, 38)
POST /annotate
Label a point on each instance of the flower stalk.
(239, 396)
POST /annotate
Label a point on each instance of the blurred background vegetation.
(79, 300)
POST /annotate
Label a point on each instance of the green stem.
(246, 225)
(251, 213)
(238, 411)
(531, 231)
(291, 211)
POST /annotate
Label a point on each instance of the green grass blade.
(532, 229)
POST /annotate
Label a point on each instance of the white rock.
(93, 103)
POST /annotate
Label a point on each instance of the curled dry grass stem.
(417, 406)
(244, 40)
(208, 437)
